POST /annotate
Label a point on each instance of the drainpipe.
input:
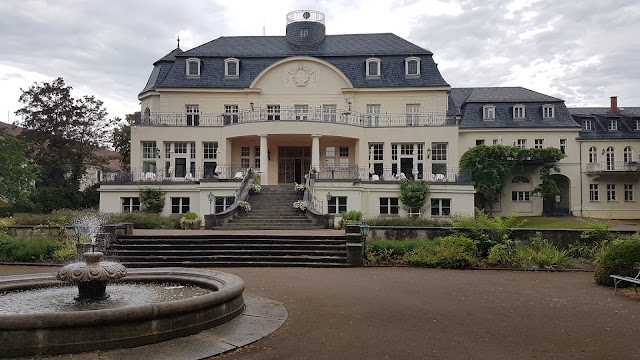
(581, 188)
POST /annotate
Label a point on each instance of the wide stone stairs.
(230, 250)
(272, 209)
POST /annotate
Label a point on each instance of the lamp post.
(210, 196)
(329, 197)
(364, 232)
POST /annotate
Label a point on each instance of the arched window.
(611, 158)
(412, 66)
(593, 154)
(231, 67)
(193, 67)
(628, 154)
(147, 115)
(520, 180)
(373, 68)
(488, 112)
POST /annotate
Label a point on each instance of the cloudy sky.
(583, 51)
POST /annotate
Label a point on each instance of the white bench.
(618, 278)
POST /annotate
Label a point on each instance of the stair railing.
(241, 193)
(314, 205)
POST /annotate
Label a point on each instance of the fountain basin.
(81, 331)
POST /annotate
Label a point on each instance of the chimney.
(614, 105)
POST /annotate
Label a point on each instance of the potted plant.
(244, 206)
(255, 188)
(299, 187)
(190, 221)
(300, 204)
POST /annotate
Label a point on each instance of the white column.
(264, 160)
(315, 151)
(414, 171)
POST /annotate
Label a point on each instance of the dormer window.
(231, 67)
(587, 125)
(613, 125)
(412, 67)
(193, 67)
(518, 111)
(488, 112)
(636, 125)
(373, 68)
(548, 112)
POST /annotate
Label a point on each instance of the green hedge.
(142, 220)
(402, 221)
(33, 250)
(618, 259)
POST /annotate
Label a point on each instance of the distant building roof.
(600, 116)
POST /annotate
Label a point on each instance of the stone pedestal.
(354, 254)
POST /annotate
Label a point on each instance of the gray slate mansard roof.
(600, 122)
(468, 103)
(346, 52)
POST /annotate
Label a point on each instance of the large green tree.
(17, 173)
(490, 165)
(122, 138)
(63, 135)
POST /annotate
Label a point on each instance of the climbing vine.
(490, 165)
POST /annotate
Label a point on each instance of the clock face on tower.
(304, 33)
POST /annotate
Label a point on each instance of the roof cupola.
(305, 27)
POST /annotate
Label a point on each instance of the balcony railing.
(354, 172)
(613, 166)
(236, 172)
(318, 114)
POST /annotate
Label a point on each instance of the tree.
(17, 174)
(413, 195)
(152, 200)
(490, 165)
(122, 138)
(63, 135)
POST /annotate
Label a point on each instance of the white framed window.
(520, 180)
(245, 151)
(167, 150)
(518, 111)
(389, 206)
(301, 112)
(496, 141)
(376, 156)
(522, 143)
(373, 114)
(231, 68)
(330, 156)
(180, 205)
(149, 150)
(611, 158)
(593, 154)
(373, 68)
(440, 207)
(628, 192)
(337, 205)
(230, 114)
(594, 192)
(611, 192)
(612, 125)
(563, 146)
(480, 142)
(273, 112)
(587, 125)
(627, 154)
(193, 67)
(439, 152)
(406, 149)
(548, 111)
(413, 117)
(636, 125)
(329, 113)
(192, 151)
(412, 66)
(256, 163)
(344, 151)
(180, 148)
(210, 150)
(538, 143)
(488, 112)
(223, 203)
(520, 196)
(193, 115)
(130, 204)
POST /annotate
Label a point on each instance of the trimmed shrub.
(146, 221)
(452, 252)
(618, 260)
(391, 252)
(413, 221)
(485, 231)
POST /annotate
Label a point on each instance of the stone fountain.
(75, 328)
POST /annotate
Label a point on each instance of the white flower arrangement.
(300, 204)
(299, 187)
(255, 188)
(244, 205)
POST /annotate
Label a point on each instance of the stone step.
(228, 247)
(134, 255)
(234, 258)
(219, 264)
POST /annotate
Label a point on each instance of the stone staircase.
(272, 209)
(229, 250)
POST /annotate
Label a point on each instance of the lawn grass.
(544, 222)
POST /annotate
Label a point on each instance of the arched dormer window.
(520, 180)
(518, 111)
(412, 67)
(593, 154)
(373, 68)
(489, 112)
(548, 111)
(231, 68)
(193, 67)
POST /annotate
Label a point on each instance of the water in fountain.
(90, 224)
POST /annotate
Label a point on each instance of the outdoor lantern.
(211, 197)
(251, 104)
(329, 196)
(364, 229)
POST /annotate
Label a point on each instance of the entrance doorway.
(293, 163)
(560, 204)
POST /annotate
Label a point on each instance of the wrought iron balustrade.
(613, 166)
(236, 172)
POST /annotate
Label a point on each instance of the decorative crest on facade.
(301, 75)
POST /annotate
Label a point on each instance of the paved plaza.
(414, 313)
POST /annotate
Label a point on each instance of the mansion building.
(357, 114)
